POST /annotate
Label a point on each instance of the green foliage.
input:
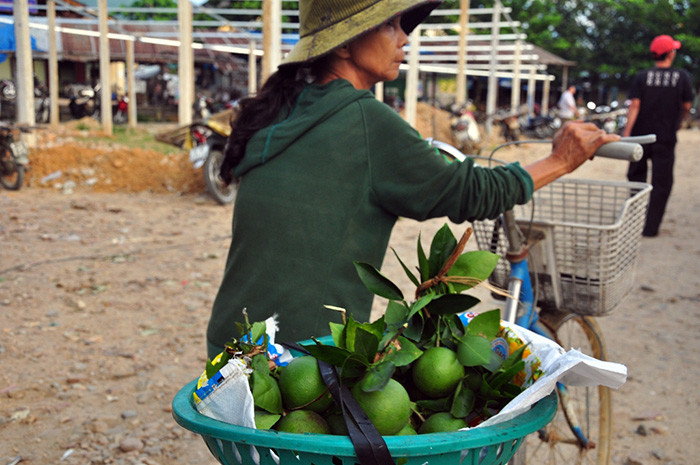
(370, 354)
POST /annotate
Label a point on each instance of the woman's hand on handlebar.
(573, 144)
(576, 142)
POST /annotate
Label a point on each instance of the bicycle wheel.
(591, 406)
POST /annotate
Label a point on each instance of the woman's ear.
(343, 52)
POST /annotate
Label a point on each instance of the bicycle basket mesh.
(596, 236)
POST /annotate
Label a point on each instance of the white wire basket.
(584, 238)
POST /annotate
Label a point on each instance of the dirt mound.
(79, 156)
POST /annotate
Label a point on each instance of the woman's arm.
(573, 144)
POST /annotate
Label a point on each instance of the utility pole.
(272, 37)
(462, 92)
(106, 85)
(185, 65)
(54, 116)
(24, 75)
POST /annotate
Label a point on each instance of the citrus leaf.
(266, 393)
(463, 401)
(396, 314)
(486, 324)
(376, 282)
(338, 334)
(419, 304)
(447, 304)
(415, 327)
(434, 405)
(443, 244)
(477, 264)
(410, 275)
(366, 344)
(404, 356)
(515, 357)
(422, 261)
(377, 376)
(260, 363)
(474, 351)
(265, 420)
(336, 356)
(353, 369)
(505, 376)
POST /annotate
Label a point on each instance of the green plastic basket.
(233, 445)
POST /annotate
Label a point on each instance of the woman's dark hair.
(277, 96)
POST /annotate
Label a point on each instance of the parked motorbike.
(202, 107)
(8, 100)
(84, 100)
(510, 124)
(207, 141)
(465, 130)
(609, 117)
(121, 110)
(539, 126)
(13, 157)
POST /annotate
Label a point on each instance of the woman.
(325, 171)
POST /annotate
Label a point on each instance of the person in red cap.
(661, 97)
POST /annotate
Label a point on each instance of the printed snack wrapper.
(226, 396)
(547, 363)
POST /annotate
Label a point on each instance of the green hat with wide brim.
(325, 25)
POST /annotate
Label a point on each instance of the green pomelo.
(437, 372)
(302, 387)
(303, 421)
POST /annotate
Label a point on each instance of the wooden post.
(272, 37)
(515, 87)
(411, 94)
(531, 93)
(545, 96)
(54, 115)
(106, 85)
(131, 84)
(252, 69)
(24, 73)
(492, 91)
(462, 92)
(185, 64)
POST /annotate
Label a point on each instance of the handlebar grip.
(628, 148)
(630, 151)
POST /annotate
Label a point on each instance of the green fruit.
(441, 422)
(301, 386)
(303, 421)
(407, 430)
(388, 409)
(437, 372)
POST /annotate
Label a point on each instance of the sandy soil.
(105, 294)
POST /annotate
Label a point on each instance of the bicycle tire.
(556, 443)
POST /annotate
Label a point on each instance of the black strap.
(370, 447)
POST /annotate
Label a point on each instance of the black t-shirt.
(662, 92)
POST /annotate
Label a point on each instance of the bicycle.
(570, 266)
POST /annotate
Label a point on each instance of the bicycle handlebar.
(628, 148)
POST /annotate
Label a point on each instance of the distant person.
(661, 97)
(567, 104)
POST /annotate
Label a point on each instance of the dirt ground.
(108, 272)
